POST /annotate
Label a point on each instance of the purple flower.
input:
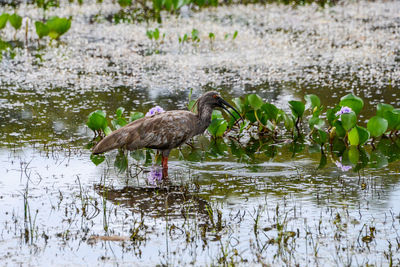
(343, 110)
(154, 110)
(155, 175)
(344, 168)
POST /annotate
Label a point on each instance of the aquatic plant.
(154, 110)
(334, 128)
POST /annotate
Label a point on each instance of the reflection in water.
(172, 200)
(155, 175)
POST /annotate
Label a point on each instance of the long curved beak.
(223, 104)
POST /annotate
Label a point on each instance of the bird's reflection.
(160, 197)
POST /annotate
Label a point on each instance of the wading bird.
(165, 131)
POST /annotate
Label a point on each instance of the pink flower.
(155, 175)
(154, 110)
(343, 110)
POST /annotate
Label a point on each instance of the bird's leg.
(164, 163)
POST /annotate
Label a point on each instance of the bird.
(167, 130)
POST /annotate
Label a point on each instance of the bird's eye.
(215, 96)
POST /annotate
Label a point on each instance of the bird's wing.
(162, 131)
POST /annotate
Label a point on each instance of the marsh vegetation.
(309, 178)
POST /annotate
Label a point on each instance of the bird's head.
(214, 100)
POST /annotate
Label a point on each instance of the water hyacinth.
(155, 110)
(155, 175)
(343, 110)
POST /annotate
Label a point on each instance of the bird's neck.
(204, 115)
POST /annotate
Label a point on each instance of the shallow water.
(56, 205)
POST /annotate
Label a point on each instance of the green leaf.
(320, 137)
(217, 127)
(353, 137)
(312, 101)
(41, 29)
(381, 108)
(97, 120)
(287, 120)
(235, 34)
(340, 131)
(119, 112)
(322, 161)
(239, 104)
(118, 122)
(124, 3)
(135, 115)
(316, 122)
(331, 114)
(255, 101)
(297, 108)
(107, 130)
(271, 111)
(354, 155)
(58, 26)
(393, 119)
(15, 20)
(377, 126)
(157, 4)
(156, 34)
(97, 159)
(353, 102)
(358, 136)
(378, 160)
(348, 120)
(3, 20)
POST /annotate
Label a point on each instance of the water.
(58, 208)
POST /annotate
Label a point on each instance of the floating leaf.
(297, 108)
(381, 108)
(107, 130)
(312, 101)
(353, 102)
(358, 136)
(348, 120)
(320, 137)
(3, 20)
(271, 111)
(119, 112)
(15, 20)
(316, 122)
(41, 29)
(331, 114)
(354, 155)
(58, 26)
(125, 3)
(393, 119)
(135, 115)
(287, 120)
(255, 101)
(339, 130)
(118, 122)
(97, 159)
(377, 126)
(97, 120)
(217, 127)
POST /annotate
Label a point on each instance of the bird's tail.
(115, 140)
